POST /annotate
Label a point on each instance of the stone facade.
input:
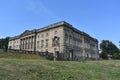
(59, 37)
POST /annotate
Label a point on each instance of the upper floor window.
(70, 40)
(42, 35)
(47, 34)
(47, 42)
(37, 44)
(38, 36)
(55, 32)
(42, 43)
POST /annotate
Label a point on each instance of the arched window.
(55, 41)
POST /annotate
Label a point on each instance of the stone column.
(83, 47)
(23, 43)
(28, 43)
(32, 42)
(20, 44)
(35, 42)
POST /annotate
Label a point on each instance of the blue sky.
(98, 18)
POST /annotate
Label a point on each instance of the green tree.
(108, 48)
(4, 43)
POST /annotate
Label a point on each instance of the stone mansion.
(59, 37)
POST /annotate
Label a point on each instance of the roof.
(26, 32)
(15, 37)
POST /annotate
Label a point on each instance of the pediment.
(26, 32)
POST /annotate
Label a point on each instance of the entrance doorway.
(71, 55)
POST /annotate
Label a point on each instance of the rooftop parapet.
(27, 32)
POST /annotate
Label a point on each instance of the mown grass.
(31, 69)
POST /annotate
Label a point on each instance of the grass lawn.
(19, 56)
(41, 69)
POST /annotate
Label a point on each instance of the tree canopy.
(4, 43)
(109, 49)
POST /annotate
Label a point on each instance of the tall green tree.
(4, 43)
(108, 48)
